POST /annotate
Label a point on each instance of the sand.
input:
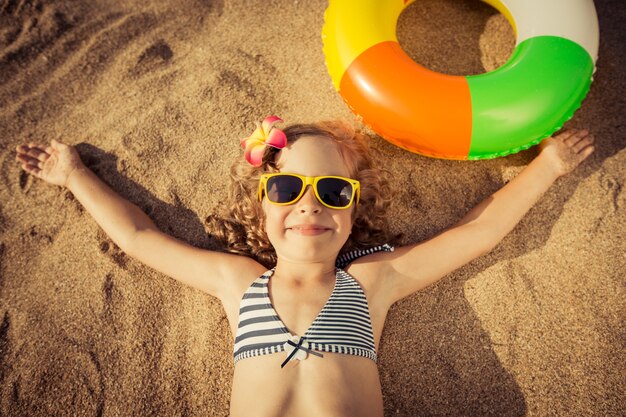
(155, 96)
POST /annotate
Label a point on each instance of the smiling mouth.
(308, 230)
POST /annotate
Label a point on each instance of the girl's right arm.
(411, 268)
(130, 228)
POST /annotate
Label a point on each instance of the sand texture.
(156, 94)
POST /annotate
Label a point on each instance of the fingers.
(586, 152)
(29, 163)
(32, 156)
(571, 135)
(32, 169)
(34, 150)
(583, 143)
(38, 154)
(563, 136)
(577, 140)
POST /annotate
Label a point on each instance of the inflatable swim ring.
(474, 117)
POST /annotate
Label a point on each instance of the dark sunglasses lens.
(335, 192)
(283, 188)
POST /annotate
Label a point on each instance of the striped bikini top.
(342, 326)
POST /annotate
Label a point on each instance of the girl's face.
(307, 231)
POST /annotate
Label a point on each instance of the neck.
(302, 273)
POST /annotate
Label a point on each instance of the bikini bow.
(264, 135)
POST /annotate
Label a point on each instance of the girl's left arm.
(413, 267)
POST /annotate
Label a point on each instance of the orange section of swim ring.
(409, 105)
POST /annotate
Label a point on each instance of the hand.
(53, 164)
(567, 150)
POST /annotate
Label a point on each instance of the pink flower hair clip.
(264, 135)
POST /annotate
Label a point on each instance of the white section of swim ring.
(575, 20)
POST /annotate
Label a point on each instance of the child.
(307, 331)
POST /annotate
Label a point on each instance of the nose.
(308, 202)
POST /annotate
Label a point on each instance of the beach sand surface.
(155, 96)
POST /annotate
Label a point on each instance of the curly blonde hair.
(242, 229)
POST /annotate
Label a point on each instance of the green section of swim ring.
(529, 97)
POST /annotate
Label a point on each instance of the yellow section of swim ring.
(354, 26)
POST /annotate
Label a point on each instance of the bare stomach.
(335, 385)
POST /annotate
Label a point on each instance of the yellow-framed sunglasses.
(332, 191)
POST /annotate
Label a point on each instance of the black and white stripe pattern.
(260, 330)
(345, 259)
(342, 326)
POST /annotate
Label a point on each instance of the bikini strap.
(345, 259)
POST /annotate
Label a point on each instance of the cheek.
(346, 221)
(273, 218)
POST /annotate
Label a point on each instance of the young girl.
(310, 204)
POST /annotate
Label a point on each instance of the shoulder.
(238, 277)
(370, 271)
